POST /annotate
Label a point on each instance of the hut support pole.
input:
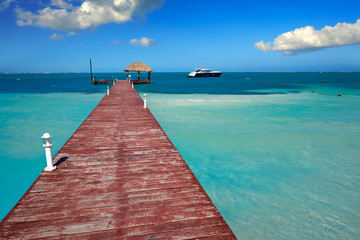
(139, 75)
(149, 77)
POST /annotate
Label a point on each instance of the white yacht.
(202, 72)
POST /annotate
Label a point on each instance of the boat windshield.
(202, 70)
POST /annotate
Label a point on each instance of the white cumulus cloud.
(144, 42)
(61, 15)
(308, 39)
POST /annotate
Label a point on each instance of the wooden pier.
(96, 81)
(118, 176)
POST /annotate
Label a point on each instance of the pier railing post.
(145, 101)
(107, 91)
(132, 85)
(48, 153)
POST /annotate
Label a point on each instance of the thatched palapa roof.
(138, 67)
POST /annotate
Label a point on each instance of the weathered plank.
(118, 176)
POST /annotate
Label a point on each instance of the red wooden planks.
(118, 176)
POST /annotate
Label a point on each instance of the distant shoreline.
(33, 73)
(28, 73)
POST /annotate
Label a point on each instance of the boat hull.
(216, 74)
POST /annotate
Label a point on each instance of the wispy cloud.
(62, 4)
(56, 36)
(114, 42)
(4, 4)
(61, 15)
(307, 39)
(144, 42)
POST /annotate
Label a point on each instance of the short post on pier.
(132, 85)
(47, 143)
(145, 101)
(107, 91)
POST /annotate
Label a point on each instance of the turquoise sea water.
(278, 153)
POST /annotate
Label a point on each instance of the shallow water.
(24, 118)
(277, 152)
(281, 166)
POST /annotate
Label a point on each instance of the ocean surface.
(278, 153)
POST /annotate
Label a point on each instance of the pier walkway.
(118, 176)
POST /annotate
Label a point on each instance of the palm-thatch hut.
(139, 67)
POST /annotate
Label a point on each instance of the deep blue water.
(228, 83)
(277, 152)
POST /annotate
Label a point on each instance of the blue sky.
(179, 35)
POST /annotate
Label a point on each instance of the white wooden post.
(145, 101)
(48, 153)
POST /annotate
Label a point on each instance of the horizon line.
(79, 72)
